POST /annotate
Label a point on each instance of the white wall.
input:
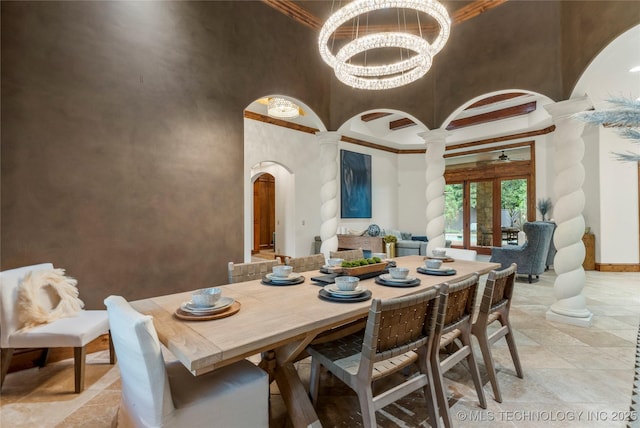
(384, 190)
(412, 202)
(297, 197)
(611, 186)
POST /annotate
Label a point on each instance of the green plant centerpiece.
(361, 262)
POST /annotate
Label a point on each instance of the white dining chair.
(159, 394)
(462, 254)
(74, 332)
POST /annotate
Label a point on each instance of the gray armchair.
(531, 257)
(552, 248)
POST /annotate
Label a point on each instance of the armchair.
(531, 257)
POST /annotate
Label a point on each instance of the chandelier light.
(282, 108)
(390, 74)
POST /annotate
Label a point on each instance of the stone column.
(434, 175)
(329, 191)
(570, 306)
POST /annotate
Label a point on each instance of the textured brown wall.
(122, 125)
(122, 135)
(587, 28)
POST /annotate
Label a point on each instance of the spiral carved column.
(434, 175)
(570, 306)
(329, 191)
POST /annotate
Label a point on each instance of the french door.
(487, 212)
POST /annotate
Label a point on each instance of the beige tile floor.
(574, 377)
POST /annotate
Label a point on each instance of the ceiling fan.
(503, 157)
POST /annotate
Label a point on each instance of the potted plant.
(544, 206)
(390, 244)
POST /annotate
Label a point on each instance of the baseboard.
(618, 267)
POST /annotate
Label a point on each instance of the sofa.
(409, 245)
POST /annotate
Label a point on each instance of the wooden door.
(264, 212)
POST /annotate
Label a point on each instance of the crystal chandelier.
(282, 108)
(390, 74)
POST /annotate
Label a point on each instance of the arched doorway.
(264, 214)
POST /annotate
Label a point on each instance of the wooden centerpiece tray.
(363, 270)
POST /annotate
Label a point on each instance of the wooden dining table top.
(272, 316)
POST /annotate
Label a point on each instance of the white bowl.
(399, 272)
(282, 271)
(206, 297)
(439, 252)
(335, 262)
(347, 283)
(433, 264)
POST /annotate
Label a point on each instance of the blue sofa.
(531, 257)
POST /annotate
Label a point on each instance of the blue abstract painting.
(355, 185)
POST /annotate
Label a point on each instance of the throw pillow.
(45, 296)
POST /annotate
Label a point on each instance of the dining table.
(280, 320)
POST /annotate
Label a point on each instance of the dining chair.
(396, 330)
(305, 264)
(495, 306)
(454, 321)
(462, 254)
(240, 272)
(72, 332)
(156, 393)
(347, 255)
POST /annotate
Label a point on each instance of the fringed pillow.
(45, 296)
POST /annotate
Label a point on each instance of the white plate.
(220, 305)
(335, 291)
(293, 276)
(389, 278)
(440, 257)
(331, 267)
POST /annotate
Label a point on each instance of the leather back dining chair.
(159, 394)
(398, 333)
(240, 272)
(495, 306)
(69, 332)
(306, 263)
(455, 318)
(347, 255)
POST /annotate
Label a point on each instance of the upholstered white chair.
(159, 394)
(75, 332)
(462, 254)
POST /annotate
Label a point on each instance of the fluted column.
(329, 191)
(570, 306)
(434, 175)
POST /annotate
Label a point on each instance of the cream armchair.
(74, 332)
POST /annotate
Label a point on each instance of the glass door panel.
(480, 228)
(453, 213)
(513, 209)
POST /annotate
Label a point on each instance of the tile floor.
(574, 376)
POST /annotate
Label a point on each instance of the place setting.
(282, 275)
(440, 254)
(398, 277)
(434, 267)
(334, 265)
(345, 289)
(207, 304)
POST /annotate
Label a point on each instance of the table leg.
(295, 397)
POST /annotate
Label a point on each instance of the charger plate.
(413, 283)
(438, 272)
(445, 259)
(233, 309)
(325, 295)
(267, 281)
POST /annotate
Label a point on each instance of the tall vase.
(391, 249)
